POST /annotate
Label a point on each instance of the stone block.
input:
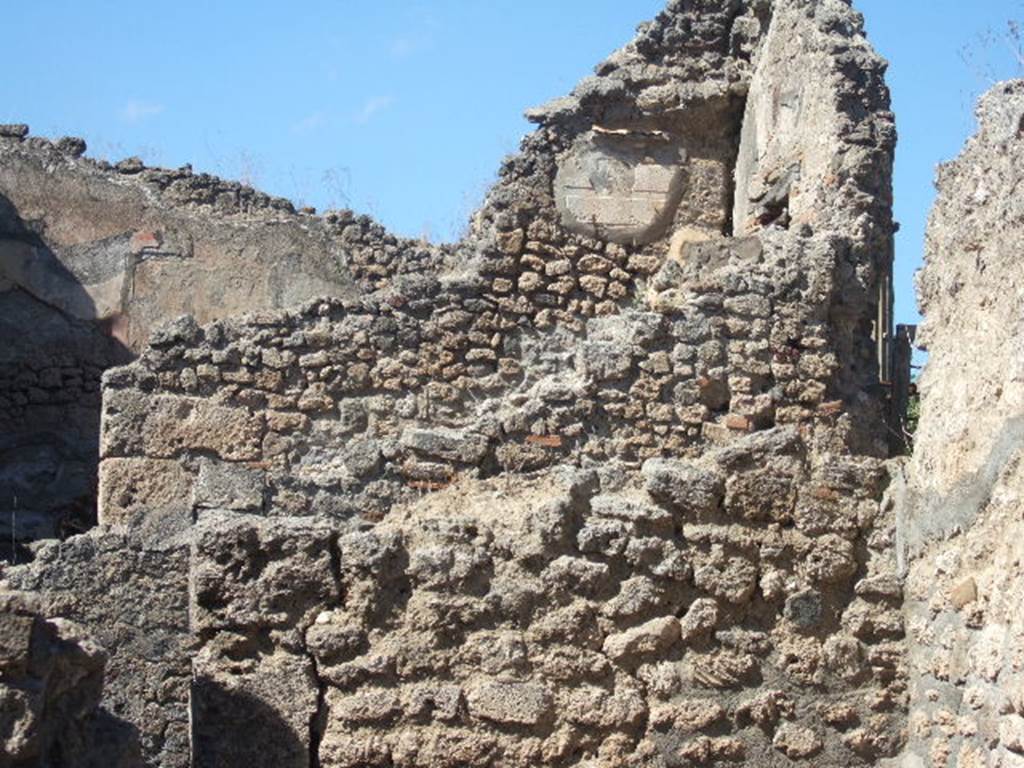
(228, 486)
(632, 511)
(701, 617)
(797, 742)
(447, 444)
(15, 643)
(366, 707)
(693, 490)
(168, 426)
(132, 487)
(509, 703)
(623, 187)
(640, 643)
(256, 572)
(604, 360)
(732, 579)
(805, 609)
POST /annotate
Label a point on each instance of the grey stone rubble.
(52, 674)
(607, 483)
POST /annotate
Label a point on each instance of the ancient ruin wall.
(961, 526)
(544, 344)
(105, 242)
(603, 492)
(93, 256)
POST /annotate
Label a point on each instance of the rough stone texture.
(961, 525)
(51, 677)
(601, 487)
(480, 626)
(133, 599)
(256, 588)
(93, 257)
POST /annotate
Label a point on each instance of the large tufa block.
(167, 426)
(255, 585)
(249, 572)
(621, 186)
(133, 488)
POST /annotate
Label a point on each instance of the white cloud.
(137, 111)
(309, 123)
(373, 107)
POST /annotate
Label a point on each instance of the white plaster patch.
(621, 187)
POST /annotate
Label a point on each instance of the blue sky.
(403, 109)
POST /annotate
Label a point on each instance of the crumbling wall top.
(601, 487)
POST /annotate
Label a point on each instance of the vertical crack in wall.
(318, 721)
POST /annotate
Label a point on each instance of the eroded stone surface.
(961, 523)
(564, 495)
(623, 187)
(51, 676)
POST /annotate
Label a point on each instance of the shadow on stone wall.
(53, 351)
(115, 744)
(231, 727)
(52, 675)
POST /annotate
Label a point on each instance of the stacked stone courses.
(603, 484)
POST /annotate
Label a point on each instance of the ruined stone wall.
(344, 408)
(604, 490)
(544, 345)
(131, 247)
(93, 256)
(961, 526)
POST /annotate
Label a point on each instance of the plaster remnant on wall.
(622, 187)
